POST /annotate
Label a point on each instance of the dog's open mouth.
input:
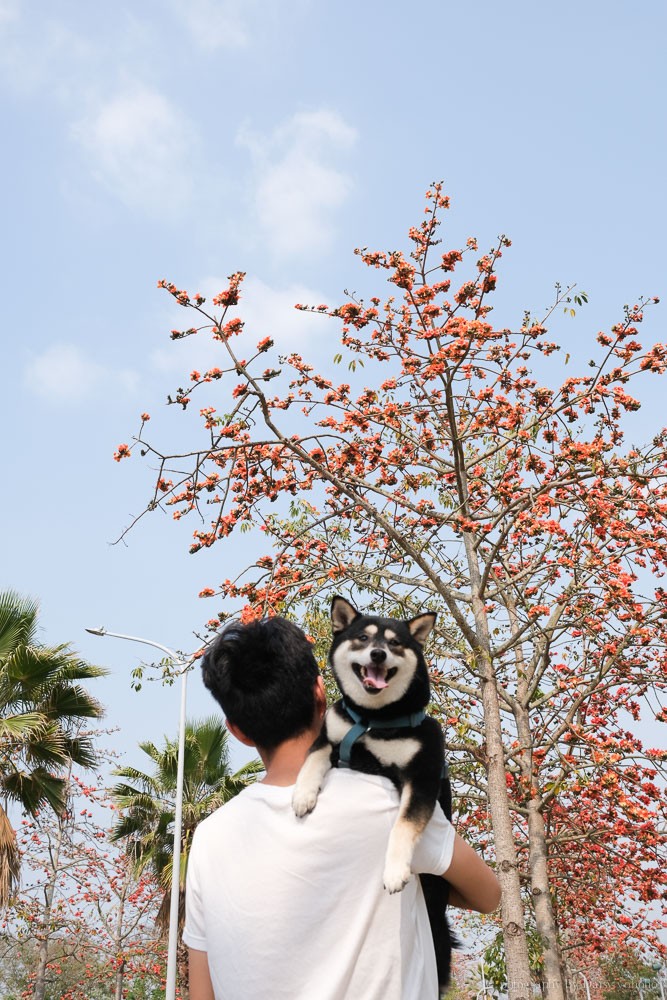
(374, 676)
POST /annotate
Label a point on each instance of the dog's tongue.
(375, 678)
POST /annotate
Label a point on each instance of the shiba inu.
(379, 726)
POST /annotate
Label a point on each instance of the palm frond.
(18, 621)
(22, 725)
(47, 746)
(28, 669)
(67, 666)
(249, 772)
(42, 704)
(134, 774)
(34, 788)
(81, 750)
(71, 701)
(132, 800)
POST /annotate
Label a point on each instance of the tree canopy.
(452, 471)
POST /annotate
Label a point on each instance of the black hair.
(263, 677)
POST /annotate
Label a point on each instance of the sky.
(186, 141)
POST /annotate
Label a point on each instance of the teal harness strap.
(348, 741)
(362, 726)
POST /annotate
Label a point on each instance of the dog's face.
(375, 660)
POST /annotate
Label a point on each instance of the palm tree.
(148, 800)
(42, 706)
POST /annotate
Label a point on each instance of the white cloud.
(214, 24)
(141, 149)
(9, 11)
(41, 54)
(63, 374)
(266, 311)
(298, 187)
(270, 312)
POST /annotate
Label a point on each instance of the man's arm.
(474, 884)
(200, 984)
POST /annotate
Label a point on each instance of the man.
(294, 909)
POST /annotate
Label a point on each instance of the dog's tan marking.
(370, 630)
(398, 753)
(390, 634)
(404, 835)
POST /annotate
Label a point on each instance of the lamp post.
(484, 993)
(170, 991)
(588, 990)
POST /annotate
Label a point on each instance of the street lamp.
(184, 664)
(484, 993)
(588, 990)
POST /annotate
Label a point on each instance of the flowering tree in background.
(605, 832)
(451, 472)
(83, 925)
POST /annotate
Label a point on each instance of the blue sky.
(176, 140)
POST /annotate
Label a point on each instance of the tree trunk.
(545, 921)
(10, 862)
(120, 976)
(182, 969)
(118, 941)
(519, 982)
(39, 989)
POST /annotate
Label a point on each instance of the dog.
(379, 726)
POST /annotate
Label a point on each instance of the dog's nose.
(378, 655)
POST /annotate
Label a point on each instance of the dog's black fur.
(380, 669)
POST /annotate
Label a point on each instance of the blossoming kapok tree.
(82, 925)
(451, 472)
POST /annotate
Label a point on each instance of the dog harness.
(362, 726)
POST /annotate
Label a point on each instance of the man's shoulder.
(345, 780)
(340, 785)
(226, 813)
(345, 792)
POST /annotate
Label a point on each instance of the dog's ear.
(420, 627)
(342, 613)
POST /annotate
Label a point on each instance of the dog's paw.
(304, 800)
(396, 876)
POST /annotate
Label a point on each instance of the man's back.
(294, 909)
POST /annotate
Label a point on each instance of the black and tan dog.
(379, 726)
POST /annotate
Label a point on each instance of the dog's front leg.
(413, 816)
(310, 777)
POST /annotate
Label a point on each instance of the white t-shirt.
(295, 909)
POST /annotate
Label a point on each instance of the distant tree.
(81, 926)
(605, 833)
(453, 471)
(625, 975)
(42, 705)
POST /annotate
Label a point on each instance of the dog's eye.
(363, 637)
(394, 642)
